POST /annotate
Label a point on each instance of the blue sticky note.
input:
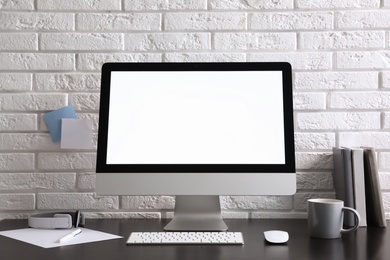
(53, 120)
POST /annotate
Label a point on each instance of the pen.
(70, 235)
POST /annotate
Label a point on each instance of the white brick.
(363, 60)
(168, 214)
(94, 141)
(336, 80)
(386, 119)
(251, 4)
(255, 41)
(205, 21)
(42, 123)
(338, 120)
(151, 5)
(378, 140)
(205, 57)
(94, 61)
(35, 102)
(384, 163)
(312, 141)
(385, 79)
(384, 179)
(16, 162)
(314, 181)
(242, 214)
(119, 21)
(18, 122)
(17, 5)
(314, 161)
(363, 19)
(75, 201)
(141, 5)
(187, 4)
(309, 100)
(66, 161)
(122, 215)
(36, 61)
(235, 215)
(17, 201)
(93, 117)
(359, 100)
(86, 180)
(76, 5)
(323, 4)
(291, 21)
(298, 60)
(148, 202)
(256, 202)
(36, 21)
(278, 215)
(85, 102)
(168, 42)
(14, 215)
(27, 142)
(387, 37)
(15, 82)
(37, 181)
(81, 41)
(67, 82)
(341, 40)
(386, 200)
(18, 41)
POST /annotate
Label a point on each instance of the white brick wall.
(51, 52)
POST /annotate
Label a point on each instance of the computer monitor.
(197, 131)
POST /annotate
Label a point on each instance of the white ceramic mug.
(325, 218)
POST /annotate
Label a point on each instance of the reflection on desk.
(366, 243)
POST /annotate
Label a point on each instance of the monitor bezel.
(107, 68)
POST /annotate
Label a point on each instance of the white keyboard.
(175, 238)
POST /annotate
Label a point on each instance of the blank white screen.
(188, 117)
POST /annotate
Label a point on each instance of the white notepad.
(48, 238)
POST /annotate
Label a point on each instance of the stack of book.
(356, 182)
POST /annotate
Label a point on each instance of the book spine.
(374, 204)
(349, 218)
(358, 184)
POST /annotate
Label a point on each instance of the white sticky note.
(76, 134)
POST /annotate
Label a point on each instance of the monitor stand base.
(197, 213)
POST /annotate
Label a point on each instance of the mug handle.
(357, 219)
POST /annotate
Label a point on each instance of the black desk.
(367, 243)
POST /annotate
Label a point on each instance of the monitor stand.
(197, 213)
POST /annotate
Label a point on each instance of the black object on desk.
(370, 243)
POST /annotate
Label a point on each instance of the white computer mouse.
(276, 236)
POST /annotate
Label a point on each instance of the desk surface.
(366, 243)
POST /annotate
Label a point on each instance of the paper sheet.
(76, 134)
(48, 238)
(53, 120)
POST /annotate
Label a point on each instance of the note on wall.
(76, 134)
(53, 120)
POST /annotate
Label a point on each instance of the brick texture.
(51, 54)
